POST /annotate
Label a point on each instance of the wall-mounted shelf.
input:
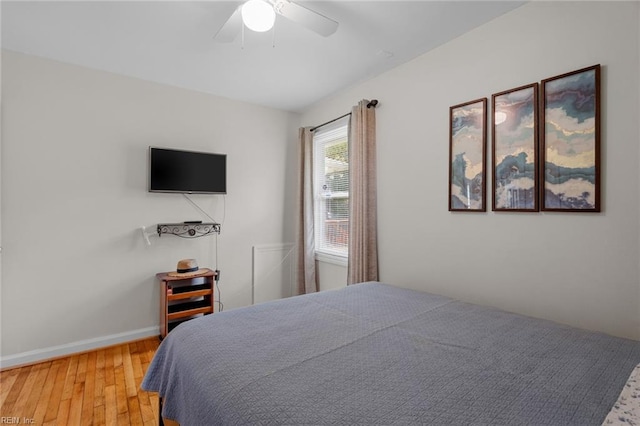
(188, 230)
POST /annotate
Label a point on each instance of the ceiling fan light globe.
(258, 15)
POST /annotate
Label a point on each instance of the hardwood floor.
(101, 387)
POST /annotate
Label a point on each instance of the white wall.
(638, 130)
(74, 195)
(331, 275)
(578, 269)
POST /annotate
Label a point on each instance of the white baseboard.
(38, 355)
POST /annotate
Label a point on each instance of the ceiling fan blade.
(306, 17)
(230, 30)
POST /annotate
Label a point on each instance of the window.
(331, 190)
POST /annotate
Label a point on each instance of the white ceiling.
(171, 42)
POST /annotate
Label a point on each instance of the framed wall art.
(467, 148)
(571, 141)
(515, 149)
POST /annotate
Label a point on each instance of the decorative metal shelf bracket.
(188, 230)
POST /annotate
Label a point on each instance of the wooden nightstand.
(182, 299)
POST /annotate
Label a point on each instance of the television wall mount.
(189, 229)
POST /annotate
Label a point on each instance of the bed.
(376, 354)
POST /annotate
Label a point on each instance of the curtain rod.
(373, 103)
(313, 129)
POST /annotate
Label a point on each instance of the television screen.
(188, 172)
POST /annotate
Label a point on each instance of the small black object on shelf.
(192, 229)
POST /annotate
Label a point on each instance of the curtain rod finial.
(372, 103)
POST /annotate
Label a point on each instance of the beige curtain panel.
(363, 235)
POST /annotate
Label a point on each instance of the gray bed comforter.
(375, 354)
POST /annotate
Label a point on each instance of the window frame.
(335, 132)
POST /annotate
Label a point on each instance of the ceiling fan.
(260, 15)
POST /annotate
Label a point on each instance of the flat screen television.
(187, 172)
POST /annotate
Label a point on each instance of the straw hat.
(187, 268)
